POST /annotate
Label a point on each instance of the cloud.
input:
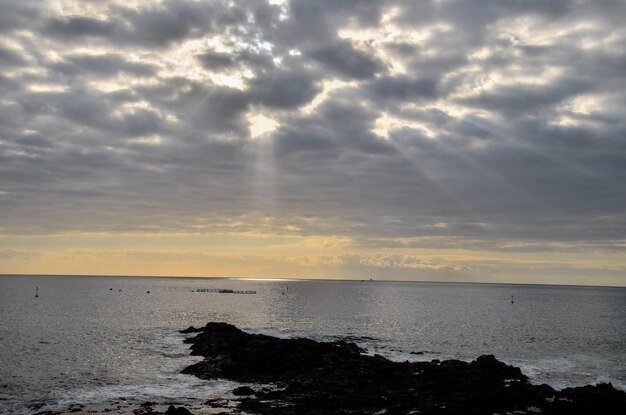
(342, 59)
(109, 64)
(8, 254)
(11, 58)
(458, 123)
(14, 16)
(284, 89)
(76, 27)
(402, 88)
(217, 60)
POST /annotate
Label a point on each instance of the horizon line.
(296, 279)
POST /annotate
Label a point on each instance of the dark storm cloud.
(476, 122)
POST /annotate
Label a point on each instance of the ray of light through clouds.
(457, 140)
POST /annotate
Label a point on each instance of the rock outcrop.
(309, 377)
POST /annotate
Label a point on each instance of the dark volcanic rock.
(331, 378)
(243, 391)
(181, 410)
(190, 329)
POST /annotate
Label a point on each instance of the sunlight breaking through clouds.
(261, 125)
(320, 119)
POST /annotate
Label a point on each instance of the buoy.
(110, 289)
(148, 291)
(120, 289)
(36, 292)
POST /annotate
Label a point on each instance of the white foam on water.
(181, 389)
(402, 356)
(164, 384)
(565, 372)
(293, 334)
(281, 334)
(616, 383)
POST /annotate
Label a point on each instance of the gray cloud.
(79, 27)
(402, 88)
(217, 60)
(10, 58)
(522, 98)
(161, 25)
(17, 15)
(342, 59)
(109, 64)
(284, 89)
(499, 132)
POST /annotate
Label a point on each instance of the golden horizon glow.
(279, 257)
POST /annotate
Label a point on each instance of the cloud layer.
(466, 124)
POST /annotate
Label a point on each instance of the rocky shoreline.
(302, 376)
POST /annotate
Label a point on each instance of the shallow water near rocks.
(83, 340)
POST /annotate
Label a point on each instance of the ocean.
(98, 339)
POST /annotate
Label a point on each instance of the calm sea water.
(80, 341)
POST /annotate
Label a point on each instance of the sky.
(440, 140)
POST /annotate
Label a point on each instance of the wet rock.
(243, 391)
(181, 410)
(217, 403)
(252, 405)
(190, 329)
(330, 378)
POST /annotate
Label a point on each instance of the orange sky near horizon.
(280, 256)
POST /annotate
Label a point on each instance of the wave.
(180, 389)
